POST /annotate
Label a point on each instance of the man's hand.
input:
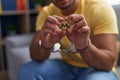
(50, 32)
(79, 33)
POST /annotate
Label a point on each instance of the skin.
(99, 56)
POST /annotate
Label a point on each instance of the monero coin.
(64, 25)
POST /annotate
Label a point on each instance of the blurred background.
(17, 26)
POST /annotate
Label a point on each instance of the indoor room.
(18, 25)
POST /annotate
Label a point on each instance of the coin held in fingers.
(64, 25)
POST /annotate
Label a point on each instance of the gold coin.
(64, 25)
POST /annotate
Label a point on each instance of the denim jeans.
(59, 70)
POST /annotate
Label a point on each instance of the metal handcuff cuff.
(64, 25)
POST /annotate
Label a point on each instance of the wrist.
(84, 50)
(40, 44)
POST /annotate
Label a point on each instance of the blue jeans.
(59, 70)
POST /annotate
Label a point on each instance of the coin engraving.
(64, 25)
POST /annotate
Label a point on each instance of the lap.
(59, 70)
(92, 74)
(47, 70)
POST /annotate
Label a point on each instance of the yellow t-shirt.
(99, 15)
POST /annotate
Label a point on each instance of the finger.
(52, 20)
(80, 24)
(58, 37)
(62, 33)
(84, 29)
(74, 18)
(48, 31)
(69, 31)
(56, 32)
(48, 38)
(48, 43)
(58, 18)
(50, 26)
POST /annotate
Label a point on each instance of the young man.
(92, 33)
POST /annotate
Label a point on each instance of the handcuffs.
(64, 25)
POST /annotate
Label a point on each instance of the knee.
(33, 70)
(102, 76)
(27, 71)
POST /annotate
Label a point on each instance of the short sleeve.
(46, 11)
(105, 20)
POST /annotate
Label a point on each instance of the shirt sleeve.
(105, 20)
(46, 11)
(40, 20)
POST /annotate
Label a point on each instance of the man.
(92, 33)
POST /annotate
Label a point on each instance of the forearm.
(39, 53)
(99, 58)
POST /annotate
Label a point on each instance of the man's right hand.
(50, 32)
